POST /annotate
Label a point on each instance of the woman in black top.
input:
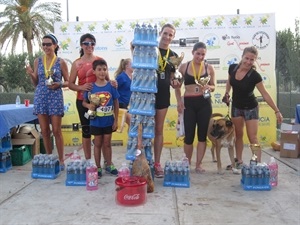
(196, 107)
(243, 78)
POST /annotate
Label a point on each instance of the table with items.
(12, 116)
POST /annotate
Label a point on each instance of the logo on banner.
(261, 40)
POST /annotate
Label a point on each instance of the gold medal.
(197, 76)
(162, 61)
(47, 71)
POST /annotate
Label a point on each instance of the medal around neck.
(176, 61)
(95, 100)
(202, 82)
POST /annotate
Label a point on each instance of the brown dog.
(221, 134)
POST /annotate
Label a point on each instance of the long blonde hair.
(122, 66)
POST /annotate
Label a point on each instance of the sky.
(286, 11)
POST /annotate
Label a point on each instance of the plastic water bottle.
(273, 167)
(75, 156)
(91, 177)
(124, 172)
(18, 101)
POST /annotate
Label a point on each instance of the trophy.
(175, 61)
(95, 100)
(254, 148)
(49, 80)
(202, 82)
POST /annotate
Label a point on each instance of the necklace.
(162, 61)
(50, 66)
(197, 76)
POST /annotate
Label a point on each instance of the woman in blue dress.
(49, 75)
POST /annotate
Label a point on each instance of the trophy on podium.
(175, 61)
(202, 82)
(254, 148)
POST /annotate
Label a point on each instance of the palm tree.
(28, 19)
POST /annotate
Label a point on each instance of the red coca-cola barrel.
(131, 191)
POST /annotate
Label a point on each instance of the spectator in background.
(123, 76)
(49, 75)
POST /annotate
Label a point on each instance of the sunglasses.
(47, 44)
(88, 43)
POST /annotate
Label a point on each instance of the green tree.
(28, 19)
(13, 75)
(288, 58)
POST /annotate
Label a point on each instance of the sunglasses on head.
(47, 44)
(89, 43)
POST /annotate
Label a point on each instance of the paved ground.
(212, 199)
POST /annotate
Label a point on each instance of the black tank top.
(190, 79)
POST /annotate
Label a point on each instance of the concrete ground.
(212, 199)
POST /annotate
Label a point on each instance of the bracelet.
(61, 84)
(277, 112)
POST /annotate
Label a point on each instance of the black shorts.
(123, 106)
(101, 130)
(162, 100)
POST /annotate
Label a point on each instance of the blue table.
(12, 116)
(297, 115)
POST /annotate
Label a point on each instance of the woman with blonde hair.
(243, 79)
(123, 77)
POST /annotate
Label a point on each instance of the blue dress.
(48, 101)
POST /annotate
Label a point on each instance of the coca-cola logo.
(131, 197)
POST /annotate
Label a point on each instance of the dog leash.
(227, 117)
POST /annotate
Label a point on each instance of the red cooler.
(131, 191)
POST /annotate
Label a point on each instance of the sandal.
(229, 167)
(199, 170)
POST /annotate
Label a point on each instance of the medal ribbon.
(45, 65)
(161, 62)
(197, 76)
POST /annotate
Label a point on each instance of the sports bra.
(190, 79)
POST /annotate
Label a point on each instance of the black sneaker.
(111, 170)
(99, 173)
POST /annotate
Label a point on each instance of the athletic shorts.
(101, 130)
(248, 114)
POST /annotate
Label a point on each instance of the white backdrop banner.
(225, 36)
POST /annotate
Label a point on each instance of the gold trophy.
(49, 80)
(175, 61)
(254, 148)
(95, 100)
(202, 82)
